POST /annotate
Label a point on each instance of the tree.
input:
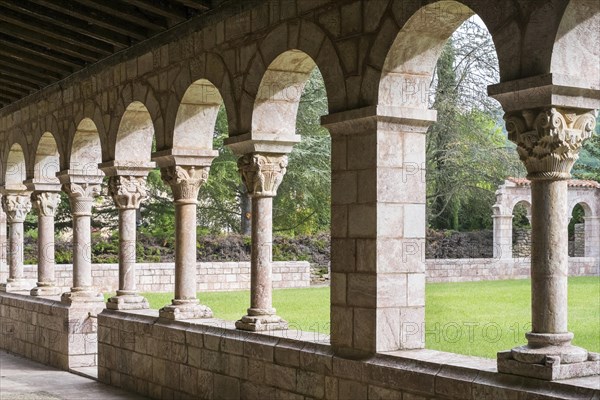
(588, 165)
(468, 154)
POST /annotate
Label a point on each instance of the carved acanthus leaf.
(548, 140)
(185, 181)
(127, 191)
(262, 173)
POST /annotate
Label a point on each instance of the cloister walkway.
(16, 383)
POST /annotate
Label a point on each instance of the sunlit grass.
(474, 318)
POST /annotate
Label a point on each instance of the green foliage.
(468, 154)
(588, 165)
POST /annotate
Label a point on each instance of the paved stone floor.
(21, 379)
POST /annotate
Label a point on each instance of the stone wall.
(49, 331)
(579, 242)
(522, 242)
(481, 269)
(160, 277)
(212, 361)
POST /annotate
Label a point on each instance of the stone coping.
(431, 362)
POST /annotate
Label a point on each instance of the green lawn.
(475, 318)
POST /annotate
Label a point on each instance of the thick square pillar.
(378, 229)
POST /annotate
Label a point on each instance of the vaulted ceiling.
(43, 41)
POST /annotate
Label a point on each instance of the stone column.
(82, 190)
(503, 237)
(45, 205)
(592, 236)
(127, 193)
(378, 229)
(185, 182)
(262, 174)
(548, 142)
(3, 241)
(16, 205)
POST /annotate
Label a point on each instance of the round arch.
(310, 40)
(407, 69)
(196, 116)
(86, 148)
(15, 171)
(135, 134)
(47, 159)
(276, 102)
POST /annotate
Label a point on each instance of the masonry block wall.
(160, 277)
(48, 331)
(211, 361)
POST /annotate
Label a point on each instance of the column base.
(127, 302)
(16, 285)
(185, 309)
(45, 290)
(81, 296)
(550, 369)
(259, 323)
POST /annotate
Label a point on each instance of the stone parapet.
(48, 331)
(211, 360)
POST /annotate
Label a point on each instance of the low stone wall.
(482, 269)
(160, 277)
(49, 331)
(212, 361)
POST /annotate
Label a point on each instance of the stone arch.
(134, 135)
(407, 70)
(47, 159)
(576, 49)
(207, 70)
(525, 201)
(196, 116)
(15, 171)
(276, 102)
(86, 149)
(587, 203)
(306, 38)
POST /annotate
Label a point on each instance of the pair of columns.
(261, 172)
(16, 205)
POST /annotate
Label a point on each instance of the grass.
(473, 318)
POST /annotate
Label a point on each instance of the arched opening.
(86, 150)
(444, 58)
(521, 232)
(197, 116)
(47, 161)
(135, 134)
(577, 229)
(16, 168)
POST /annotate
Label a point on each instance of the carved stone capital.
(16, 207)
(127, 191)
(45, 203)
(81, 196)
(548, 140)
(262, 173)
(185, 181)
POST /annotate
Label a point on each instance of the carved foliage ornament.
(16, 207)
(81, 196)
(127, 191)
(46, 203)
(185, 181)
(548, 140)
(262, 174)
